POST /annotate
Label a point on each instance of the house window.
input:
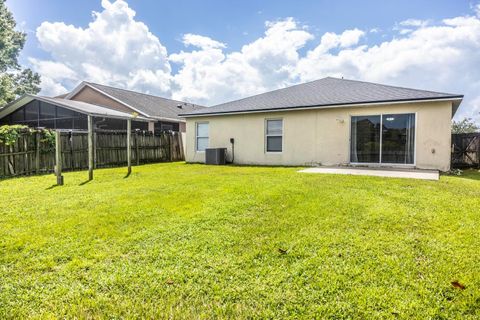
(201, 135)
(161, 126)
(166, 127)
(388, 138)
(274, 135)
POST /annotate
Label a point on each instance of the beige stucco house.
(329, 122)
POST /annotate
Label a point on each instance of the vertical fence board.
(30, 155)
(466, 150)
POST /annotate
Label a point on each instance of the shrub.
(10, 133)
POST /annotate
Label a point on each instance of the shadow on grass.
(84, 182)
(52, 186)
(127, 175)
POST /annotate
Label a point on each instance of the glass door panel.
(365, 139)
(398, 138)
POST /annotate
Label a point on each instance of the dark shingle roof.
(152, 106)
(325, 92)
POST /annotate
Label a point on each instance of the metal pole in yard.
(25, 149)
(95, 150)
(37, 152)
(170, 144)
(137, 152)
(90, 148)
(129, 146)
(58, 158)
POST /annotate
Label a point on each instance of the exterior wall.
(182, 127)
(184, 138)
(322, 136)
(89, 95)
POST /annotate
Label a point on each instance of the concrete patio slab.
(378, 172)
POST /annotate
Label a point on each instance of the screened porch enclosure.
(40, 114)
(383, 139)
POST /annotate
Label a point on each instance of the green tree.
(14, 81)
(466, 125)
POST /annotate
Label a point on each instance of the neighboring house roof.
(78, 106)
(145, 104)
(326, 92)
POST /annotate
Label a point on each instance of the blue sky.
(236, 22)
(180, 63)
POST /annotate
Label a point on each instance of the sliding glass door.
(388, 138)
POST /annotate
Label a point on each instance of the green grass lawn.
(194, 241)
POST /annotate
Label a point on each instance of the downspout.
(232, 141)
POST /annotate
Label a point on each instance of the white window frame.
(274, 135)
(380, 163)
(202, 137)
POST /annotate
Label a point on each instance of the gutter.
(167, 119)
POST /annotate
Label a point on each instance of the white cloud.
(332, 40)
(442, 57)
(113, 49)
(116, 49)
(53, 75)
(53, 70)
(201, 41)
(407, 26)
(350, 37)
(414, 23)
(54, 88)
(210, 75)
(405, 31)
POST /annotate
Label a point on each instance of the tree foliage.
(466, 125)
(9, 136)
(14, 81)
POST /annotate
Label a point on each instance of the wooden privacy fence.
(31, 155)
(466, 150)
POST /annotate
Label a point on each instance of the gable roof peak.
(145, 104)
